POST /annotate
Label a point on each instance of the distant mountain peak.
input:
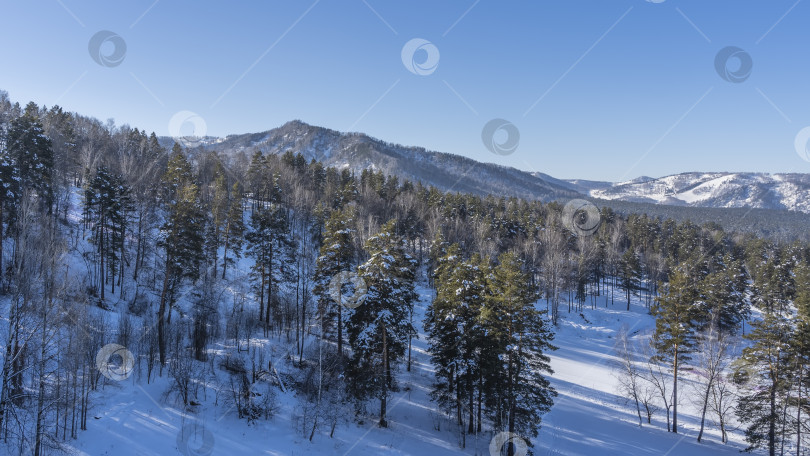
(454, 173)
(358, 151)
(716, 189)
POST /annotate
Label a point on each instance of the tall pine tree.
(26, 167)
(234, 228)
(765, 371)
(336, 255)
(801, 350)
(270, 243)
(181, 237)
(378, 330)
(674, 337)
(107, 206)
(453, 322)
(519, 392)
(630, 270)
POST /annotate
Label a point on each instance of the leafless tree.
(627, 372)
(555, 262)
(658, 376)
(711, 359)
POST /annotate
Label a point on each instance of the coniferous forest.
(122, 260)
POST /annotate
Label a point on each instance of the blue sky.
(598, 89)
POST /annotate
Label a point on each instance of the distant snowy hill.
(749, 190)
(455, 173)
(358, 151)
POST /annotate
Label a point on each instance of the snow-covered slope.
(131, 416)
(449, 172)
(589, 417)
(751, 190)
(357, 151)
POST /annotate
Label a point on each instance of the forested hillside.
(768, 206)
(239, 281)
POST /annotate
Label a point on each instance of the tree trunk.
(511, 403)
(40, 432)
(705, 406)
(320, 387)
(384, 394)
(102, 278)
(340, 325)
(138, 247)
(261, 296)
(7, 364)
(2, 206)
(269, 293)
(772, 421)
(628, 297)
(225, 251)
(123, 261)
(799, 413)
(410, 340)
(111, 267)
(459, 416)
(161, 315)
(470, 414)
(675, 392)
(480, 400)
(303, 329)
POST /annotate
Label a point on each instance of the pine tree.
(801, 349)
(722, 301)
(29, 159)
(258, 183)
(378, 330)
(674, 337)
(26, 167)
(107, 206)
(181, 238)
(437, 250)
(234, 228)
(772, 285)
(520, 394)
(630, 270)
(271, 245)
(456, 336)
(764, 371)
(218, 215)
(336, 255)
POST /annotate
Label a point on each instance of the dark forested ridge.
(102, 223)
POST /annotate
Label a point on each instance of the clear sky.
(597, 89)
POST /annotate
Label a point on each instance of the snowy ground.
(588, 417)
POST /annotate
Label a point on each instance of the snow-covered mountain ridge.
(721, 189)
(357, 151)
(455, 173)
